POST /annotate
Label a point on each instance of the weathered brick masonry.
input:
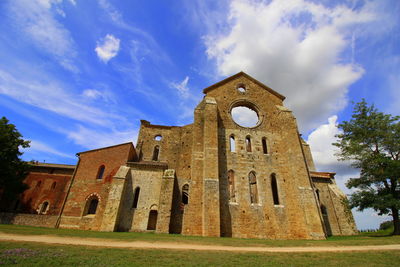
(213, 177)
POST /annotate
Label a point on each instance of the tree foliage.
(386, 225)
(371, 141)
(12, 169)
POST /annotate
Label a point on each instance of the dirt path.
(179, 246)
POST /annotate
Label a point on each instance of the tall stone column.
(193, 212)
(165, 204)
(113, 206)
(211, 216)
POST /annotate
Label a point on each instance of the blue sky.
(80, 74)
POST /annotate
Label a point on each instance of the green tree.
(12, 169)
(371, 140)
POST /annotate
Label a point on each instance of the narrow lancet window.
(231, 186)
(100, 173)
(185, 194)
(248, 144)
(264, 145)
(232, 143)
(156, 152)
(253, 187)
(136, 198)
(274, 188)
(317, 192)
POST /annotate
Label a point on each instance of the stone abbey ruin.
(213, 177)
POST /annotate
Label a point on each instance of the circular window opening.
(245, 116)
(241, 88)
(158, 137)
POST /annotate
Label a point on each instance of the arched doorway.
(151, 225)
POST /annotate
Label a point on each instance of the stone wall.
(28, 219)
(296, 215)
(190, 180)
(148, 178)
(336, 215)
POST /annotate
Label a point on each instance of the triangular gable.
(208, 89)
(107, 147)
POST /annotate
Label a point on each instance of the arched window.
(232, 143)
(135, 198)
(100, 172)
(44, 207)
(38, 184)
(53, 186)
(185, 194)
(248, 144)
(92, 204)
(264, 145)
(156, 152)
(274, 188)
(231, 185)
(253, 187)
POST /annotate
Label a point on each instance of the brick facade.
(47, 183)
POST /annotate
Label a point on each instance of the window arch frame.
(136, 195)
(156, 153)
(248, 144)
(232, 143)
(185, 194)
(274, 189)
(44, 207)
(253, 190)
(90, 208)
(231, 185)
(264, 145)
(100, 172)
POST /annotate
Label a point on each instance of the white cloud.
(94, 138)
(92, 93)
(107, 48)
(245, 116)
(296, 48)
(182, 87)
(51, 96)
(36, 19)
(320, 141)
(143, 42)
(36, 146)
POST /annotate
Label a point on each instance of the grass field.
(35, 254)
(31, 254)
(379, 238)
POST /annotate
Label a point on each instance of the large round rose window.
(245, 116)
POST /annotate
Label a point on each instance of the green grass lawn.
(33, 254)
(380, 238)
